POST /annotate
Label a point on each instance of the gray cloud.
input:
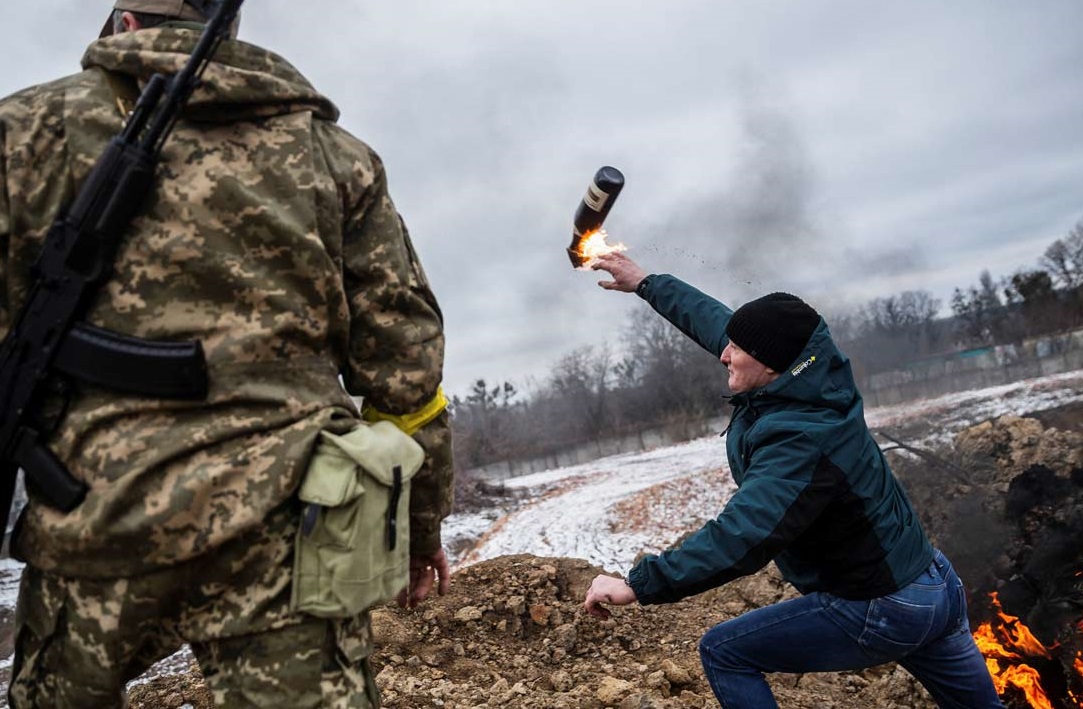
(841, 149)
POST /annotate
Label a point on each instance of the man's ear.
(131, 24)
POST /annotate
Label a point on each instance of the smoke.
(764, 226)
(971, 532)
(755, 231)
(1045, 587)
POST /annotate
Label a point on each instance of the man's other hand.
(606, 589)
(424, 572)
(626, 273)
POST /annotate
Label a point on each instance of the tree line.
(659, 376)
(591, 393)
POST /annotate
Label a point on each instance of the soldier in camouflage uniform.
(271, 238)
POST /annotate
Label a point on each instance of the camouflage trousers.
(79, 641)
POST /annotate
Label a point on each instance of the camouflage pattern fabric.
(272, 239)
(78, 641)
(431, 488)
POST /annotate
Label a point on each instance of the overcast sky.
(843, 150)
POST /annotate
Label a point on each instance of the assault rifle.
(47, 344)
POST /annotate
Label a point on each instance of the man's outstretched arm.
(699, 316)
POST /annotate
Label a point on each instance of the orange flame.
(593, 245)
(1004, 647)
(1078, 664)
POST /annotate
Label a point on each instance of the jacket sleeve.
(396, 349)
(693, 312)
(787, 485)
(35, 183)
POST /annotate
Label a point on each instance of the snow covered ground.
(584, 511)
(946, 415)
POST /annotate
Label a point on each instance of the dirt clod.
(1015, 443)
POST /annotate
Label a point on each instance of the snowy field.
(610, 510)
(583, 511)
(946, 415)
(603, 510)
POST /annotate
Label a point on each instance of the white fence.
(592, 450)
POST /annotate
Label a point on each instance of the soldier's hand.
(626, 273)
(606, 589)
(425, 571)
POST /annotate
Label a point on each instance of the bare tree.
(1035, 287)
(978, 311)
(1034, 303)
(583, 380)
(896, 329)
(481, 422)
(1064, 258)
(901, 314)
(844, 324)
(674, 377)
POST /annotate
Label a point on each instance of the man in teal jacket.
(816, 496)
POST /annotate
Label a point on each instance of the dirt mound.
(1014, 443)
(512, 633)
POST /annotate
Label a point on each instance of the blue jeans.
(923, 627)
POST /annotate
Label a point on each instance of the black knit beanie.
(773, 329)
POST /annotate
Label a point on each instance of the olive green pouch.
(352, 547)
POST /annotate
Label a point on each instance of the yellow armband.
(410, 423)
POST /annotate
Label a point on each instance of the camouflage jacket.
(271, 238)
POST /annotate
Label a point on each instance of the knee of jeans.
(706, 649)
(713, 652)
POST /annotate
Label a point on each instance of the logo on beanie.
(803, 366)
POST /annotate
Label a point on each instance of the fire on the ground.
(1012, 652)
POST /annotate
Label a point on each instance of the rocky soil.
(511, 633)
(1014, 443)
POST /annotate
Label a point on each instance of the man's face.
(745, 371)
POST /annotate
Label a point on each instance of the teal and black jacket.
(815, 493)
